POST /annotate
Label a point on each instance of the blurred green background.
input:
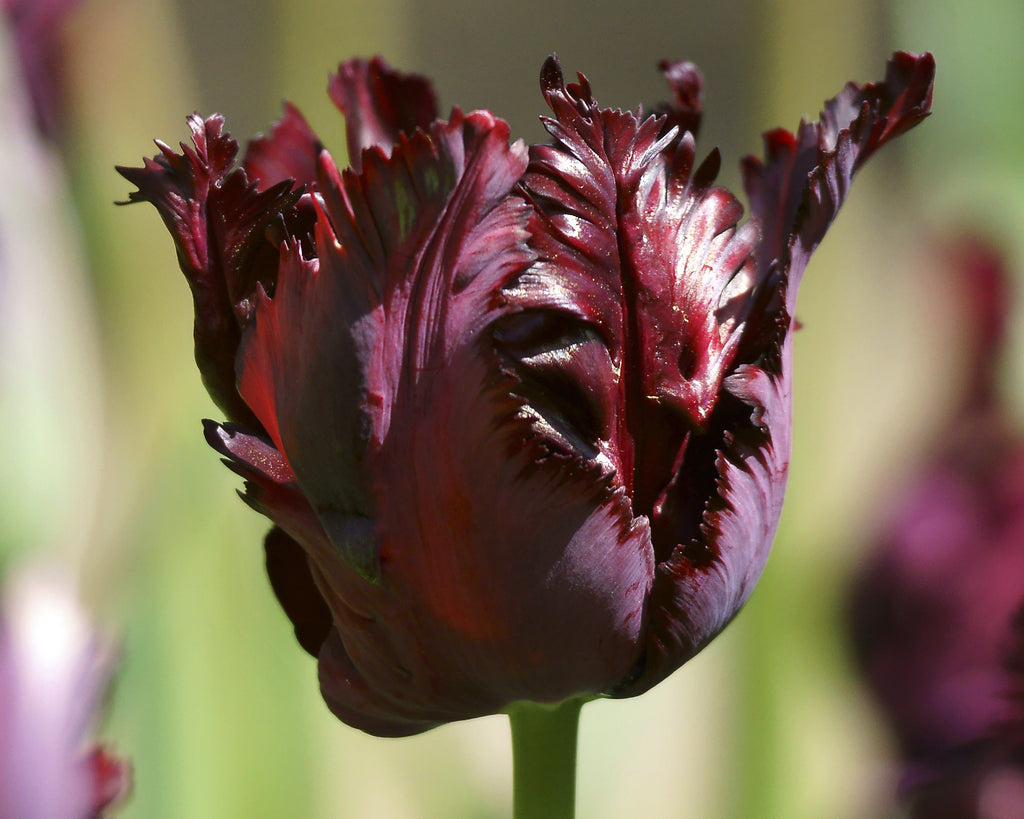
(105, 464)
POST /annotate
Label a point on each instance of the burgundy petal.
(380, 104)
(704, 583)
(796, 191)
(412, 261)
(218, 221)
(296, 591)
(508, 571)
(795, 196)
(270, 486)
(412, 254)
(288, 152)
(270, 489)
(636, 245)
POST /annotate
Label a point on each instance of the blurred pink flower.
(54, 672)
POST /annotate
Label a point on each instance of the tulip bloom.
(520, 415)
(937, 612)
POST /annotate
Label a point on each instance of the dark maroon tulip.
(520, 415)
(933, 608)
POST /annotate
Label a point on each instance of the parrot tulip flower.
(937, 610)
(520, 415)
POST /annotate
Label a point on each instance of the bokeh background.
(104, 467)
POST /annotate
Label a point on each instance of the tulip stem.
(544, 759)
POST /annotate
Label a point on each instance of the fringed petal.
(218, 220)
(686, 109)
(797, 190)
(705, 582)
(380, 104)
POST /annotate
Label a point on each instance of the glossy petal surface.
(289, 152)
(795, 193)
(521, 416)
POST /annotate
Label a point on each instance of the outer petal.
(380, 104)
(796, 194)
(704, 583)
(509, 572)
(271, 489)
(647, 254)
(798, 189)
(270, 485)
(291, 577)
(331, 351)
(218, 221)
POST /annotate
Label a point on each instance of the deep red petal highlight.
(795, 195)
(412, 254)
(634, 244)
(380, 104)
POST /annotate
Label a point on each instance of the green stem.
(544, 759)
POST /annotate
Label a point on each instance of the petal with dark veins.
(702, 586)
(795, 195)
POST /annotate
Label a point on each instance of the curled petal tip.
(687, 84)
(551, 78)
(380, 104)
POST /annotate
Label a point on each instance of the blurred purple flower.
(933, 608)
(36, 27)
(521, 416)
(982, 778)
(54, 672)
